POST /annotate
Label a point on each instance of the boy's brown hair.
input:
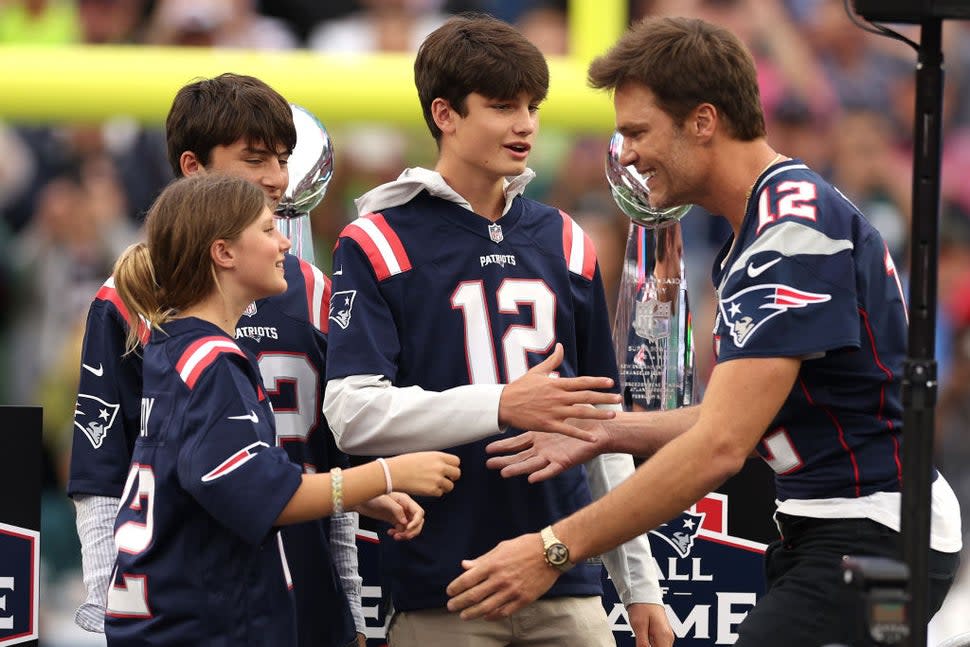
(219, 111)
(477, 53)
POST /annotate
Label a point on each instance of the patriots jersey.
(809, 277)
(287, 335)
(199, 561)
(430, 294)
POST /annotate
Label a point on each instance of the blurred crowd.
(73, 196)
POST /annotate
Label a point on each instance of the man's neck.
(737, 168)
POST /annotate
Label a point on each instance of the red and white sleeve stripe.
(578, 248)
(381, 245)
(317, 295)
(201, 354)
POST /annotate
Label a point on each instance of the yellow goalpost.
(40, 84)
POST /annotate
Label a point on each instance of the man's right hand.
(538, 402)
(543, 456)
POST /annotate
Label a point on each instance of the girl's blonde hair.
(172, 270)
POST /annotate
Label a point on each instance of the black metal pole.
(920, 381)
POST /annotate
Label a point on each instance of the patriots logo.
(681, 531)
(750, 308)
(94, 417)
(341, 304)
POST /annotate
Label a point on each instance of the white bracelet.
(387, 475)
(337, 490)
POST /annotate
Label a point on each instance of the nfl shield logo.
(495, 233)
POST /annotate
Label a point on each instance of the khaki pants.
(556, 622)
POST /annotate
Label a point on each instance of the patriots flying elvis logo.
(750, 308)
(94, 417)
(341, 305)
(681, 532)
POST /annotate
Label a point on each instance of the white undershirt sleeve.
(370, 417)
(95, 528)
(630, 565)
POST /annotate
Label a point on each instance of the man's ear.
(443, 115)
(189, 163)
(222, 254)
(704, 121)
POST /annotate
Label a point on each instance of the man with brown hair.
(810, 340)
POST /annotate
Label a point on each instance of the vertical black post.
(20, 482)
(920, 380)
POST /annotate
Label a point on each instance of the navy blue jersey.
(199, 561)
(430, 294)
(287, 335)
(809, 277)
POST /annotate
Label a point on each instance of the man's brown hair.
(685, 62)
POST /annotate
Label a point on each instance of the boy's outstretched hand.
(536, 402)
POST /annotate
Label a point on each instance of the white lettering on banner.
(698, 620)
(6, 583)
(672, 573)
(728, 618)
(372, 611)
(619, 620)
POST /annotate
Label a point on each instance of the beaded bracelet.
(337, 490)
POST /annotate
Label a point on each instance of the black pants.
(807, 603)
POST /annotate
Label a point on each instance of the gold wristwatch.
(556, 552)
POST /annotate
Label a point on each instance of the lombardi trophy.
(652, 332)
(310, 167)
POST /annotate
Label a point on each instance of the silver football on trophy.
(631, 194)
(310, 166)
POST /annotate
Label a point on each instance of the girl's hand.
(424, 473)
(404, 514)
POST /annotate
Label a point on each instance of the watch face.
(558, 554)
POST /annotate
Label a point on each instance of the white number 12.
(518, 339)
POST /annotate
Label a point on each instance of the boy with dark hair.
(236, 125)
(448, 288)
(810, 338)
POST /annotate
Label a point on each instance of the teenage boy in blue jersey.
(454, 296)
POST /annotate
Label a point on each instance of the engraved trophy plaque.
(310, 167)
(652, 332)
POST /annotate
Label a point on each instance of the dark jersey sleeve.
(363, 337)
(107, 412)
(227, 461)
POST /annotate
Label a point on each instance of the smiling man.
(810, 337)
